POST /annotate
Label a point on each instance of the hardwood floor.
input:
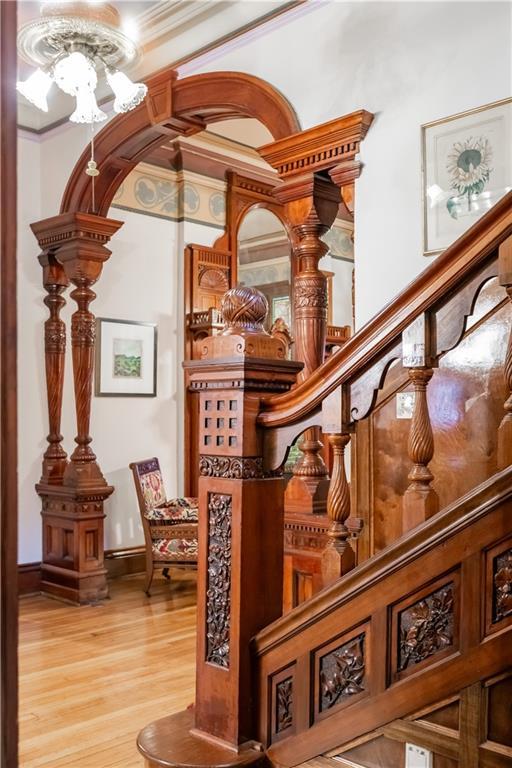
(92, 677)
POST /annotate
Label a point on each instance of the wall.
(409, 63)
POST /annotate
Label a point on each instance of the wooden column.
(314, 165)
(338, 557)
(55, 283)
(505, 428)
(72, 492)
(240, 570)
(311, 203)
(420, 500)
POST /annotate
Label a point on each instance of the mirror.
(264, 262)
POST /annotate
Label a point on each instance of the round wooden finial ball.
(244, 308)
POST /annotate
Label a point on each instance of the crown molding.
(320, 148)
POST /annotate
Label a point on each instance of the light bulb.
(87, 110)
(75, 72)
(35, 88)
(128, 94)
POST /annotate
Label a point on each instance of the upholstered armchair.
(170, 526)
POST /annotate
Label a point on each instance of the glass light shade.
(128, 94)
(75, 72)
(87, 110)
(35, 88)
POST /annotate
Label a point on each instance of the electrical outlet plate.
(417, 757)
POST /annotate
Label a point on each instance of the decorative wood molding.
(284, 705)
(176, 107)
(325, 146)
(234, 467)
(426, 627)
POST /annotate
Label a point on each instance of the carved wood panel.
(218, 594)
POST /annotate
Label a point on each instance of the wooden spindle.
(505, 428)
(55, 283)
(420, 500)
(338, 557)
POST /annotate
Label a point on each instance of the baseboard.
(29, 578)
(118, 562)
(122, 562)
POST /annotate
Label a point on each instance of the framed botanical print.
(467, 168)
(125, 358)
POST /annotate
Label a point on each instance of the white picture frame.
(466, 169)
(125, 358)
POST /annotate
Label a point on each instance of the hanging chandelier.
(69, 44)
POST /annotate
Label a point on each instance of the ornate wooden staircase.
(416, 613)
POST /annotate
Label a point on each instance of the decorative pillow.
(152, 489)
(175, 549)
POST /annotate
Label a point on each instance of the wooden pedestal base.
(171, 743)
(305, 539)
(72, 568)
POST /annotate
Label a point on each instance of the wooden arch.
(173, 107)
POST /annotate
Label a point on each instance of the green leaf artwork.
(127, 358)
(469, 168)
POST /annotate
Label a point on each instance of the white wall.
(409, 63)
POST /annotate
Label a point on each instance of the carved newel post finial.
(240, 537)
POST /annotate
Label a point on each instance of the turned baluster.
(505, 428)
(55, 283)
(420, 500)
(338, 557)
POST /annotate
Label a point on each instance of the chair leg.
(165, 574)
(149, 579)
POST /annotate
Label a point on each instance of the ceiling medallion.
(69, 43)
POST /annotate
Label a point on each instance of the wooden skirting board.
(118, 562)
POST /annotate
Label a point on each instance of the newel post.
(72, 492)
(240, 568)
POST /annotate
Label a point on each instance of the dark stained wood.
(440, 279)
(173, 107)
(8, 404)
(55, 282)
(172, 743)
(432, 551)
(505, 429)
(73, 492)
(338, 557)
(420, 499)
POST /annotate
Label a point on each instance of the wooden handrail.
(425, 537)
(435, 282)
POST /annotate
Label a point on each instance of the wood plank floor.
(92, 677)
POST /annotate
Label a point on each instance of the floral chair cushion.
(174, 549)
(175, 511)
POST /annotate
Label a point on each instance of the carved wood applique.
(233, 467)
(502, 586)
(342, 672)
(426, 627)
(218, 595)
(284, 705)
